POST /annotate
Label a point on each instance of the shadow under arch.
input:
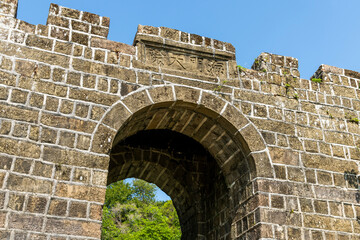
(232, 141)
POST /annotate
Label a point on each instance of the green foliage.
(317, 80)
(131, 212)
(117, 192)
(241, 68)
(296, 96)
(143, 191)
(354, 120)
(219, 88)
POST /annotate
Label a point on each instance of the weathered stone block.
(28, 184)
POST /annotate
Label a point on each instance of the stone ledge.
(184, 42)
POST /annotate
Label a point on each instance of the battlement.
(156, 46)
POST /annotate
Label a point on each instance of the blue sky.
(314, 31)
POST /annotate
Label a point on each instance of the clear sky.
(314, 31)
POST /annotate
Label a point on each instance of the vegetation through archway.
(131, 211)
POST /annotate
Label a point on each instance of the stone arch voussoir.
(204, 102)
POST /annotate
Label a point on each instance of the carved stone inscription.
(185, 62)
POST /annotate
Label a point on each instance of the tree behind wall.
(131, 212)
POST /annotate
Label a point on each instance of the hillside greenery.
(131, 212)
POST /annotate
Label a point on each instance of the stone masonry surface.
(244, 153)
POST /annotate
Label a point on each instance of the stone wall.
(244, 153)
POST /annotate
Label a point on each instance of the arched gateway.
(194, 145)
(244, 153)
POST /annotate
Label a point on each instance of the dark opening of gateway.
(184, 170)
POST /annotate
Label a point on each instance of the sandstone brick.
(26, 27)
(112, 46)
(114, 119)
(35, 54)
(57, 207)
(67, 139)
(16, 202)
(95, 211)
(99, 55)
(6, 63)
(326, 163)
(58, 75)
(100, 31)
(51, 88)
(5, 162)
(73, 78)
(62, 172)
(274, 126)
(348, 211)
(82, 175)
(18, 96)
(97, 112)
(335, 208)
(282, 218)
(20, 130)
(48, 135)
(4, 93)
(3, 234)
(103, 139)
(83, 142)
(80, 192)
(62, 47)
(339, 138)
(25, 222)
(284, 156)
(324, 178)
(60, 33)
(80, 26)
(19, 148)
(39, 42)
(28, 184)
(89, 81)
(22, 165)
(67, 123)
(8, 78)
(66, 106)
(36, 204)
(58, 21)
(280, 172)
(78, 209)
(92, 96)
(70, 13)
(294, 233)
(73, 227)
(99, 178)
(277, 201)
(80, 38)
(42, 169)
(34, 133)
(42, 30)
(91, 18)
(295, 174)
(5, 127)
(36, 236)
(52, 104)
(75, 158)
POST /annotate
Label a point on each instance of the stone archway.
(229, 147)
